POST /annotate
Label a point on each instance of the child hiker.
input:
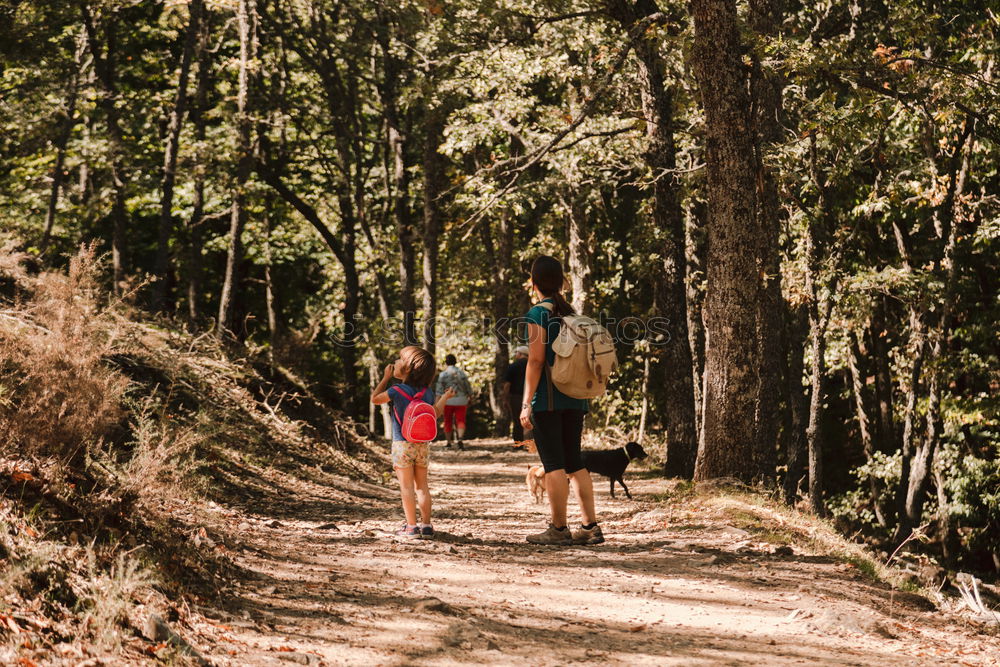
(414, 425)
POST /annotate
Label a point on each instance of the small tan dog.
(535, 479)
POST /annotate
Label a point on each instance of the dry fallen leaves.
(10, 623)
(153, 649)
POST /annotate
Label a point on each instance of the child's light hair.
(420, 365)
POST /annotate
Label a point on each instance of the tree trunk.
(577, 233)
(886, 440)
(695, 257)
(644, 411)
(396, 137)
(671, 294)
(798, 407)
(352, 303)
(381, 284)
(817, 382)
(194, 225)
(406, 232)
(857, 380)
(918, 346)
(947, 229)
(105, 67)
(245, 17)
(275, 327)
(950, 545)
(170, 149)
(923, 455)
(765, 92)
(732, 355)
(861, 411)
(434, 188)
(500, 314)
(377, 413)
(62, 140)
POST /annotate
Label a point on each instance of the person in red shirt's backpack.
(414, 426)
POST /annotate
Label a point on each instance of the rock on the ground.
(433, 604)
(459, 633)
(839, 622)
(300, 658)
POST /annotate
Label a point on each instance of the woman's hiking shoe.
(588, 535)
(426, 531)
(552, 535)
(461, 446)
(408, 531)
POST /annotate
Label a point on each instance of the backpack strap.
(394, 410)
(549, 306)
(408, 398)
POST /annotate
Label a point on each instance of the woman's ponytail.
(563, 307)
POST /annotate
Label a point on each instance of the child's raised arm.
(439, 404)
(380, 395)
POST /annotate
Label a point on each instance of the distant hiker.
(414, 425)
(453, 377)
(557, 419)
(511, 392)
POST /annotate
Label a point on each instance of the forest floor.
(683, 579)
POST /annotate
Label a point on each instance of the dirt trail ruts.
(668, 588)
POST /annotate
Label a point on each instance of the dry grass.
(781, 524)
(52, 590)
(57, 397)
(116, 431)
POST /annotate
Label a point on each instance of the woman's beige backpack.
(585, 357)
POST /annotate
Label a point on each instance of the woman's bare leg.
(583, 486)
(557, 486)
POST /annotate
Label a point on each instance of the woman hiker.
(557, 419)
(454, 378)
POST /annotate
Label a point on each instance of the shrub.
(853, 510)
(974, 486)
(57, 396)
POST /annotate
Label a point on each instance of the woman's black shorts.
(557, 436)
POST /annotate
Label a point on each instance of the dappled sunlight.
(657, 592)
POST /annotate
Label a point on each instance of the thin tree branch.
(634, 33)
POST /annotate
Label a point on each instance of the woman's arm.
(440, 403)
(533, 372)
(380, 395)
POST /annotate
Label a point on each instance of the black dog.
(612, 463)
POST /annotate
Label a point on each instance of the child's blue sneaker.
(408, 531)
(426, 531)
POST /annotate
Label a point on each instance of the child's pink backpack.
(419, 421)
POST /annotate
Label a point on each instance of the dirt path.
(672, 586)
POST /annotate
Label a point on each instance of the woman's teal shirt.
(540, 402)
